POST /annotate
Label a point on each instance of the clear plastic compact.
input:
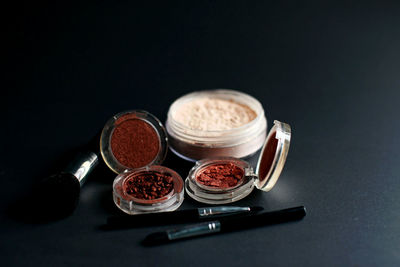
(226, 179)
(130, 203)
(133, 144)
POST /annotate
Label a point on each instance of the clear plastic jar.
(211, 195)
(133, 205)
(237, 142)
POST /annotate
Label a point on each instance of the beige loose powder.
(213, 114)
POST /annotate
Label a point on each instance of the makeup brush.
(180, 216)
(57, 196)
(225, 225)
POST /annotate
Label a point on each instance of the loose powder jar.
(216, 123)
(227, 179)
(133, 144)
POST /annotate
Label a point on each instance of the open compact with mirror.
(225, 180)
(133, 144)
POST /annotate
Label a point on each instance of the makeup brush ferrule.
(210, 211)
(82, 165)
(194, 230)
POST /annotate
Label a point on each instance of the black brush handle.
(262, 219)
(127, 221)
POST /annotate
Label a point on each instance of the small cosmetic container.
(134, 144)
(202, 188)
(134, 205)
(240, 142)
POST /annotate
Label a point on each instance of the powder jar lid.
(270, 164)
(133, 139)
(147, 190)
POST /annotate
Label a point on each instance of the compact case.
(126, 202)
(132, 205)
(269, 167)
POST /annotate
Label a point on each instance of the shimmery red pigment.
(220, 175)
(134, 142)
(149, 185)
(268, 157)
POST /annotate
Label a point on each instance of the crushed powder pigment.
(149, 185)
(222, 175)
(213, 114)
(134, 142)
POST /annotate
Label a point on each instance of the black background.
(331, 70)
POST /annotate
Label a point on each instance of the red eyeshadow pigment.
(149, 185)
(134, 142)
(220, 175)
(268, 157)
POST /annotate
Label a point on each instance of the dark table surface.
(330, 70)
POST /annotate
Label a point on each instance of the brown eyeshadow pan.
(223, 175)
(134, 142)
(149, 185)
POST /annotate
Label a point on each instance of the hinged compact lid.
(273, 156)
